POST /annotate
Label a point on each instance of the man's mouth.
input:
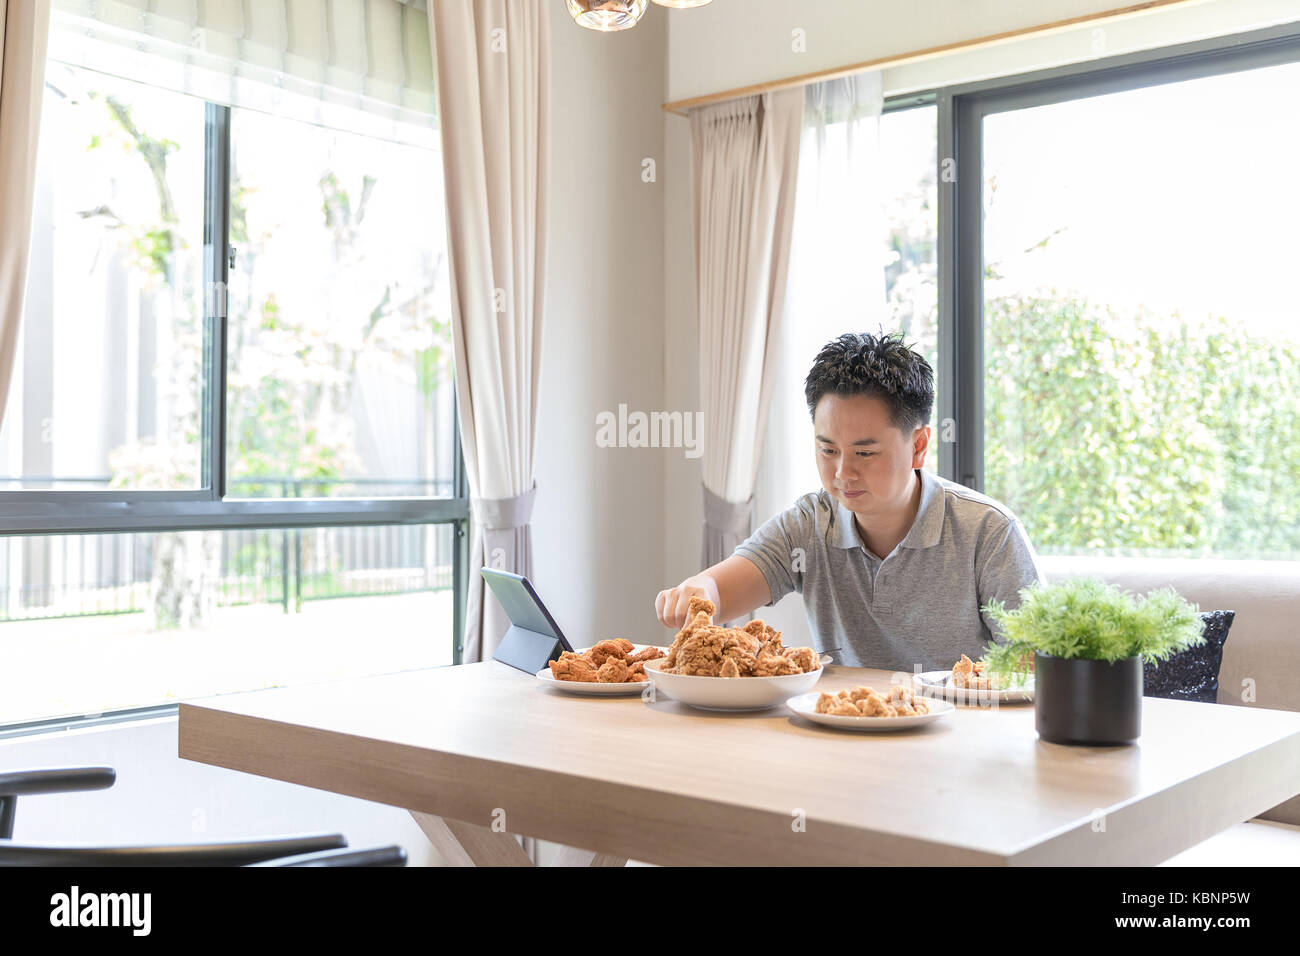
(852, 494)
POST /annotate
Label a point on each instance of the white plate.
(732, 693)
(805, 705)
(939, 685)
(585, 689)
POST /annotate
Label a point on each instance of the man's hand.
(735, 585)
(672, 604)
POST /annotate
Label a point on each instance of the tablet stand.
(527, 650)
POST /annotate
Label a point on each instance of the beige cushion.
(1263, 648)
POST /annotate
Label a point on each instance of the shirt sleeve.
(780, 548)
(1007, 565)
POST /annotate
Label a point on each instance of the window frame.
(69, 512)
(961, 112)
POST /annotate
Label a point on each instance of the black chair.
(313, 850)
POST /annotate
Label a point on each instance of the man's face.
(864, 461)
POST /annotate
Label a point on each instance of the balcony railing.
(59, 576)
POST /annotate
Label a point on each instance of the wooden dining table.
(480, 753)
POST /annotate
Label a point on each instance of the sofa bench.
(1261, 657)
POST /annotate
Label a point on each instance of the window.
(1097, 261)
(230, 450)
(108, 386)
(100, 623)
(1141, 343)
(340, 338)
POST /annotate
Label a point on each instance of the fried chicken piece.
(645, 654)
(699, 616)
(604, 650)
(837, 705)
(774, 665)
(898, 701)
(970, 675)
(873, 705)
(906, 702)
(636, 673)
(729, 668)
(738, 644)
(701, 654)
(703, 649)
(698, 604)
(844, 708)
(613, 671)
(573, 667)
(805, 658)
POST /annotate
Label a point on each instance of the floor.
(1255, 843)
(89, 665)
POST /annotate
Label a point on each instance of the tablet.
(534, 638)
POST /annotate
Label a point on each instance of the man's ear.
(920, 445)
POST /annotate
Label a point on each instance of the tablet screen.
(521, 603)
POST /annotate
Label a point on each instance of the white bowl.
(731, 693)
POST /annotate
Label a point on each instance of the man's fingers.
(683, 605)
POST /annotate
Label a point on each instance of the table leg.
(572, 856)
(469, 844)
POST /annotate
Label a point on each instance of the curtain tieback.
(505, 514)
(727, 516)
(506, 535)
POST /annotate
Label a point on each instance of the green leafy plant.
(1089, 619)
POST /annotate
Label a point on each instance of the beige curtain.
(492, 63)
(24, 25)
(745, 159)
(840, 250)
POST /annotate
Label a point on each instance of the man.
(893, 563)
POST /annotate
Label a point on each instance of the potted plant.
(1089, 640)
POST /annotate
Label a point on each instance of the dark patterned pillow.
(1192, 674)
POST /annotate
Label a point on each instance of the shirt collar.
(927, 527)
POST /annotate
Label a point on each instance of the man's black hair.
(882, 366)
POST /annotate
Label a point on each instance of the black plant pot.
(1095, 703)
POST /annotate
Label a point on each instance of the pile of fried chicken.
(865, 702)
(704, 649)
(608, 662)
(972, 674)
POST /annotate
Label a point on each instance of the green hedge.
(1130, 433)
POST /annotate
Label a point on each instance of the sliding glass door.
(1126, 265)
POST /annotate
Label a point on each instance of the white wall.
(596, 527)
(596, 543)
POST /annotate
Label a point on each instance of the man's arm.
(760, 572)
(1009, 565)
(735, 585)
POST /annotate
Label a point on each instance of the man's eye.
(828, 451)
(865, 454)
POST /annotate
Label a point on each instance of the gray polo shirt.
(921, 604)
